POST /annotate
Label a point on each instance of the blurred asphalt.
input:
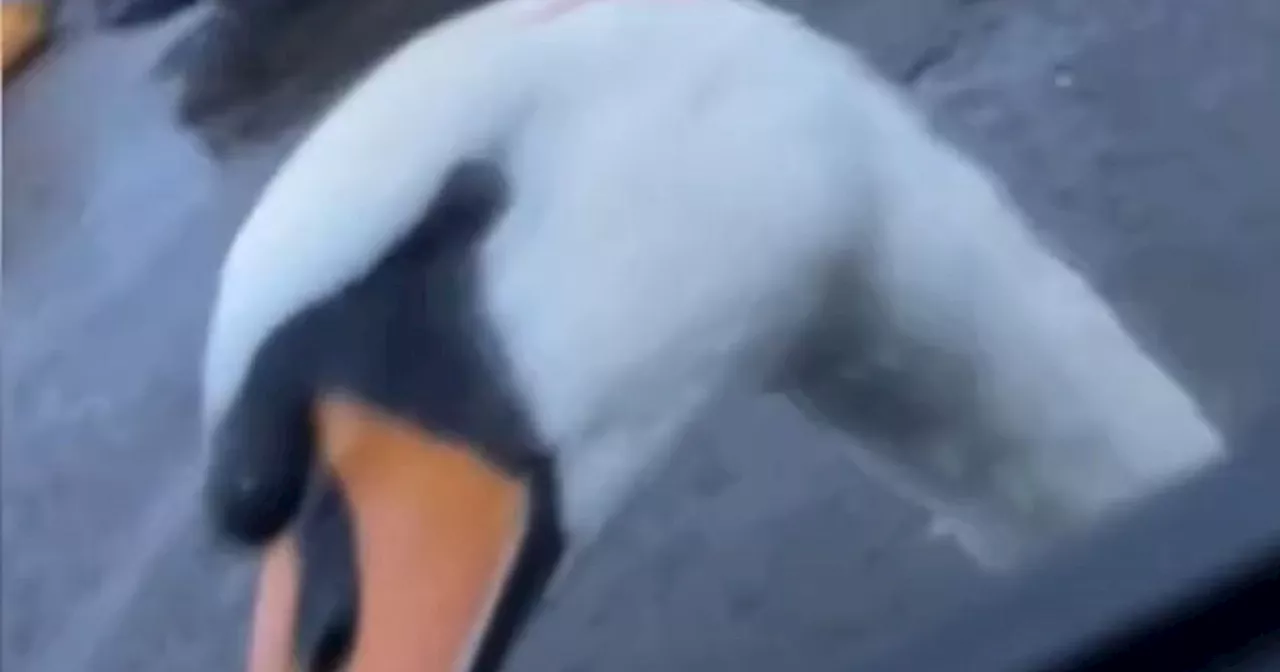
(1141, 134)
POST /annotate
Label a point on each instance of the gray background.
(1139, 133)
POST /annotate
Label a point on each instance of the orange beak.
(442, 540)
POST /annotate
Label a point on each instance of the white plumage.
(707, 193)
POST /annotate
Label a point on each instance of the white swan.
(707, 194)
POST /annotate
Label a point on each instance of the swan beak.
(442, 542)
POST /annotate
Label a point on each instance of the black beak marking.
(400, 337)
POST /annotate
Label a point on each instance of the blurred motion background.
(1141, 136)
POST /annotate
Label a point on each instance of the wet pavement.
(1139, 133)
